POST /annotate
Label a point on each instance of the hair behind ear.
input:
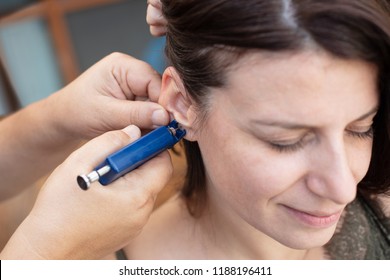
(194, 189)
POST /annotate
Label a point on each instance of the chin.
(306, 240)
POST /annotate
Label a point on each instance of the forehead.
(298, 85)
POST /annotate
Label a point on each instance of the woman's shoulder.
(365, 230)
(167, 235)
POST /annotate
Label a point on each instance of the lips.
(318, 219)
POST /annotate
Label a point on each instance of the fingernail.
(132, 131)
(160, 117)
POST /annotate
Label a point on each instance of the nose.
(331, 175)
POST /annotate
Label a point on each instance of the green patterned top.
(364, 233)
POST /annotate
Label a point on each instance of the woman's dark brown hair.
(205, 37)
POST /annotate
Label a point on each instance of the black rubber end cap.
(82, 183)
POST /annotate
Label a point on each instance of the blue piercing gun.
(133, 155)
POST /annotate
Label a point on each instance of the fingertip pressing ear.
(175, 99)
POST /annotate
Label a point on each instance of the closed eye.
(292, 146)
(368, 134)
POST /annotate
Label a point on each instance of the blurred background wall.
(46, 44)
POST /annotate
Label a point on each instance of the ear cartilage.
(133, 155)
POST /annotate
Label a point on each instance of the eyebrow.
(296, 126)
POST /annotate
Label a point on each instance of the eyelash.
(369, 134)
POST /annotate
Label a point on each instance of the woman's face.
(287, 141)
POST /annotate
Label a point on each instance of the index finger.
(137, 78)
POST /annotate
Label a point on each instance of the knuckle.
(116, 55)
(135, 116)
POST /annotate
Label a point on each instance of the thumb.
(86, 158)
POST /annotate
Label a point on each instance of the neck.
(228, 236)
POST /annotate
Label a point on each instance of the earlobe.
(176, 101)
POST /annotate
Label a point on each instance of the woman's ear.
(175, 99)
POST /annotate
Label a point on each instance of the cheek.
(246, 171)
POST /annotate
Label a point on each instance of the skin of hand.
(155, 19)
(108, 96)
(69, 223)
